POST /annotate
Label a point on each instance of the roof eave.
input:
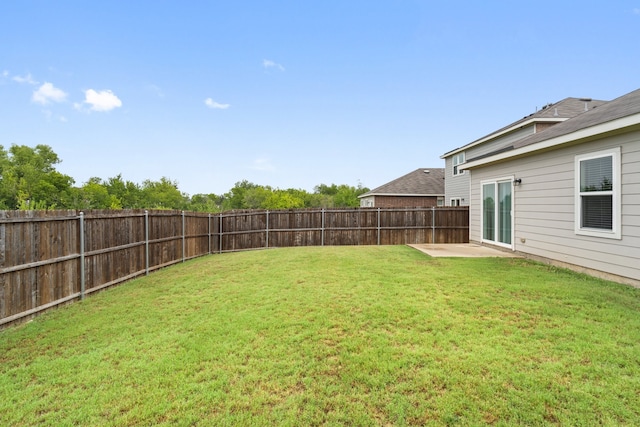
(400, 195)
(611, 126)
(503, 132)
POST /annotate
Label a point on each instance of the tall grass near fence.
(50, 258)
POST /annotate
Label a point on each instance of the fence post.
(378, 226)
(209, 233)
(183, 236)
(220, 233)
(267, 229)
(322, 232)
(82, 273)
(146, 242)
(359, 220)
(433, 224)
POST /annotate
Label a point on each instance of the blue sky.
(293, 94)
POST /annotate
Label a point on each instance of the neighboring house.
(569, 195)
(457, 180)
(423, 187)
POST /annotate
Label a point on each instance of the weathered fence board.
(51, 257)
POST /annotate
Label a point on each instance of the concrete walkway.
(463, 250)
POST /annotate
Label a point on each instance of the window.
(597, 205)
(367, 202)
(455, 201)
(440, 201)
(458, 159)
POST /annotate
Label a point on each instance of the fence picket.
(51, 257)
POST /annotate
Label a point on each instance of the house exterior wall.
(500, 142)
(457, 186)
(402, 201)
(542, 126)
(544, 207)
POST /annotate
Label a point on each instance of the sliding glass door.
(497, 220)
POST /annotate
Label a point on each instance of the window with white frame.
(455, 201)
(597, 204)
(458, 159)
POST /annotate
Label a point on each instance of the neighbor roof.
(420, 182)
(590, 123)
(550, 113)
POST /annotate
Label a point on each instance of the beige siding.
(544, 207)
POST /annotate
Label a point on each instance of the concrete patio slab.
(463, 250)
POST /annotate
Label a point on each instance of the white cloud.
(636, 11)
(263, 164)
(5, 73)
(22, 79)
(215, 105)
(105, 100)
(267, 63)
(48, 93)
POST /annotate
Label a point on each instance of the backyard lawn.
(332, 336)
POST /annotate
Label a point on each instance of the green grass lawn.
(333, 336)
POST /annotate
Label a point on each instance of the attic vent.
(427, 171)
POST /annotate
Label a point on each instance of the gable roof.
(623, 106)
(618, 114)
(550, 113)
(420, 182)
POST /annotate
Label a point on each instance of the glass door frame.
(495, 224)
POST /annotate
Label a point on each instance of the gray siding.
(499, 143)
(455, 186)
(544, 207)
(458, 186)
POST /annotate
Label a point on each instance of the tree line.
(29, 181)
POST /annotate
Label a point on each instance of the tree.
(29, 178)
(127, 193)
(206, 203)
(341, 195)
(282, 199)
(95, 195)
(163, 194)
(235, 198)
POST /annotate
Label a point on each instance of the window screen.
(596, 174)
(596, 193)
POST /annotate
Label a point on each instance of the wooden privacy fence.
(51, 257)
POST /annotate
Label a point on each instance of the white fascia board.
(404, 195)
(505, 131)
(559, 140)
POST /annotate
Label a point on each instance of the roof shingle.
(420, 182)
